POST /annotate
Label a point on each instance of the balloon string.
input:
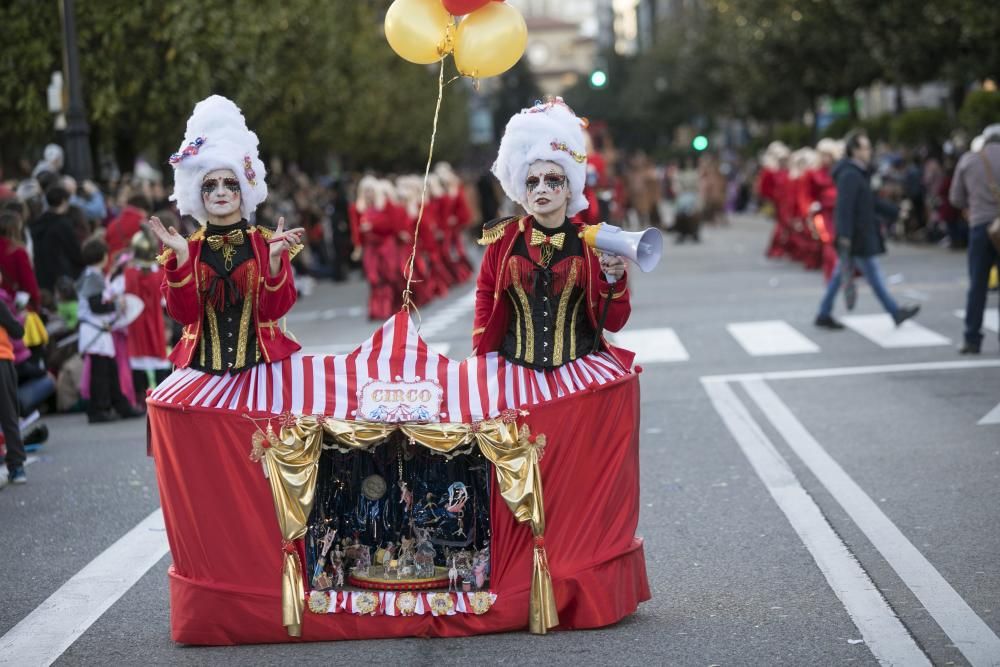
(407, 293)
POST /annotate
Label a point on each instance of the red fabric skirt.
(226, 545)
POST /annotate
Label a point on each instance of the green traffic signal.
(598, 78)
(699, 143)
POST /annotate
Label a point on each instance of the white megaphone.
(643, 248)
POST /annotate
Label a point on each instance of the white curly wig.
(217, 137)
(548, 131)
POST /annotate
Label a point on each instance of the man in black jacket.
(56, 247)
(859, 234)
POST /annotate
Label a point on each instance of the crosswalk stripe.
(652, 345)
(881, 330)
(991, 319)
(770, 337)
(992, 417)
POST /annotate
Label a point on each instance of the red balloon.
(463, 7)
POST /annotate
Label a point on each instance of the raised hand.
(171, 238)
(283, 240)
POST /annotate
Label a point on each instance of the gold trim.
(618, 295)
(572, 326)
(213, 330)
(529, 331)
(181, 283)
(241, 344)
(557, 354)
(201, 353)
(495, 233)
(284, 277)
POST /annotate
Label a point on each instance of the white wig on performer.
(548, 131)
(217, 137)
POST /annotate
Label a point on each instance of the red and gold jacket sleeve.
(485, 291)
(277, 293)
(180, 287)
(620, 308)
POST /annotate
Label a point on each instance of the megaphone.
(643, 248)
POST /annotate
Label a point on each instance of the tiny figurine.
(406, 498)
(453, 576)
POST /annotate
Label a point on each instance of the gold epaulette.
(494, 229)
(268, 233)
(164, 256)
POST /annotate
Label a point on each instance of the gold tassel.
(292, 591)
(542, 611)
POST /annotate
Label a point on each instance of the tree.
(312, 78)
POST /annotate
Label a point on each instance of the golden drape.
(292, 463)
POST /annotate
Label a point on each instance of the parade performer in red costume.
(773, 187)
(456, 219)
(805, 243)
(230, 282)
(540, 287)
(147, 341)
(824, 195)
(376, 226)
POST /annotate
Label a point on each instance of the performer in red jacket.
(230, 282)
(824, 196)
(456, 219)
(376, 226)
(540, 286)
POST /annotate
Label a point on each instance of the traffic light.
(699, 143)
(598, 78)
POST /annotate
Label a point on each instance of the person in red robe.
(123, 228)
(457, 217)
(823, 192)
(147, 340)
(772, 186)
(376, 226)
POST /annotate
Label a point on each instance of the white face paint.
(220, 193)
(546, 188)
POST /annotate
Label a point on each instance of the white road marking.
(883, 632)
(44, 634)
(992, 417)
(857, 370)
(652, 345)
(991, 318)
(967, 631)
(443, 320)
(771, 337)
(881, 330)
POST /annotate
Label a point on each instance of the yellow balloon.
(490, 40)
(421, 31)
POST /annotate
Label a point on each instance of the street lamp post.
(78, 159)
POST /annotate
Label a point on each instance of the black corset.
(548, 325)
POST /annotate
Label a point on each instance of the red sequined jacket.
(493, 309)
(272, 297)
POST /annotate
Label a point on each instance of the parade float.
(395, 492)
(392, 491)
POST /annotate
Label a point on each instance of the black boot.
(905, 313)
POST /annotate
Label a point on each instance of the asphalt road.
(776, 504)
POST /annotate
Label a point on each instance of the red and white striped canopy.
(477, 388)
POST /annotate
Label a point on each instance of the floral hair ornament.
(248, 170)
(561, 146)
(191, 149)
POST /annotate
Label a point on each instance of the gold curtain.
(292, 464)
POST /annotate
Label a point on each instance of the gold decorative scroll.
(292, 465)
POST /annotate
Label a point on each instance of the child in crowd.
(97, 315)
(10, 330)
